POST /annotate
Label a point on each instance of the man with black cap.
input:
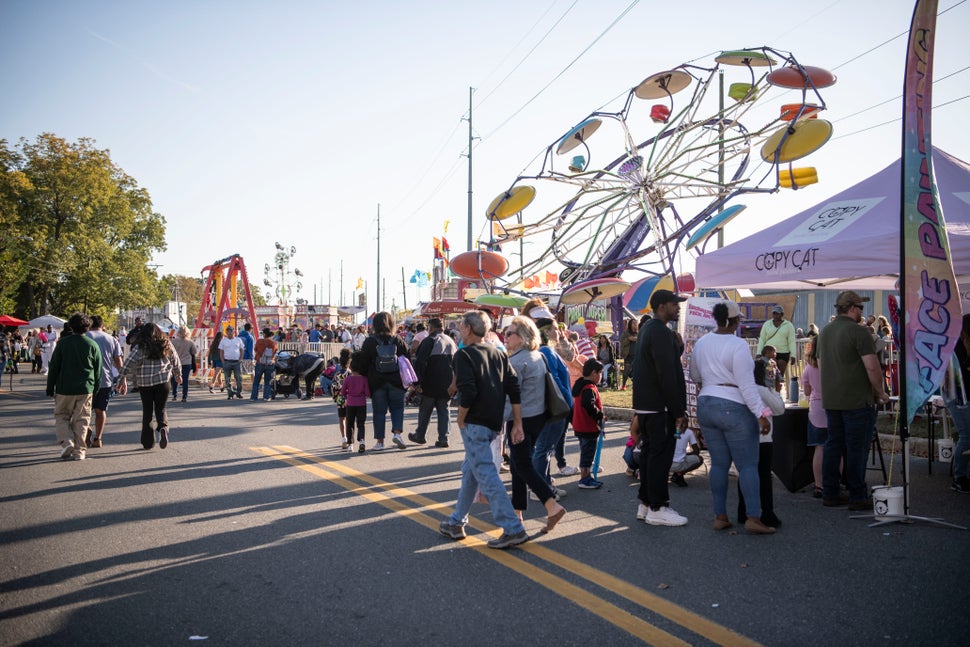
(781, 334)
(660, 404)
(852, 383)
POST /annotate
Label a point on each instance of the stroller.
(286, 381)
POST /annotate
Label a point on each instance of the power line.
(892, 121)
(531, 51)
(565, 69)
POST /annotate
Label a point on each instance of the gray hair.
(527, 331)
(478, 321)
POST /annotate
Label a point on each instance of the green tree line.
(77, 233)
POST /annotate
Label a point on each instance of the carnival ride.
(220, 296)
(661, 194)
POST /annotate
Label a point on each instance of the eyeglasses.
(512, 332)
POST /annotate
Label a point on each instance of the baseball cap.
(778, 309)
(541, 312)
(661, 297)
(849, 298)
(732, 308)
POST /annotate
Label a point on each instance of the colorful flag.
(437, 247)
(931, 300)
(447, 222)
(360, 284)
(444, 245)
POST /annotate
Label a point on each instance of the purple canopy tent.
(847, 242)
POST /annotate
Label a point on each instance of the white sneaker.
(642, 511)
(556, 494)
(396, 439)
(568, 470)
(665, 517)
(68, 446)
(378, 446)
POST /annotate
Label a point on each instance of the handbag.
(772, 400)
(406, 371)
(556, 406)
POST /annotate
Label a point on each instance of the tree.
(87, 230)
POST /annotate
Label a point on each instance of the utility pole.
(470, 139)
(404, 288)
(377, 301)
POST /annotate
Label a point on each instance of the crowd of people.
(502, 378)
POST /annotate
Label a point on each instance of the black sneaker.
(417, 441)
(453, 531)
(441, 443)
(678, 480)
(507, 540)
(147, 438)
(961, 484)
(163, 438)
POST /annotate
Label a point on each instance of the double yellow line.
(397, 499)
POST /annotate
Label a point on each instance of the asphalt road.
(254, 528)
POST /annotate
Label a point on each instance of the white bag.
(772, 400)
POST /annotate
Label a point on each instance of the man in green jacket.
(74, 376)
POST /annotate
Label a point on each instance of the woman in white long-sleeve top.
(730, 413)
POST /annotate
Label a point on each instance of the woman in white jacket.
(730, 413)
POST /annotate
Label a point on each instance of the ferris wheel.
(620, 198)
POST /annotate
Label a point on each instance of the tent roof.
(45, 320)
(848, 241)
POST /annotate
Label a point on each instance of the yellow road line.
(609, 612)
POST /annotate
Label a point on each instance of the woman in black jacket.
(383, 349)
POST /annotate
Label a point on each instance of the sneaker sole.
(399, 443)
(658, 522)
(508, 544)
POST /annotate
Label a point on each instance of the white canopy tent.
(849, 241)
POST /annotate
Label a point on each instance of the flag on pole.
(360, 284)
(447, 222)
(444, 245)
(931, 300)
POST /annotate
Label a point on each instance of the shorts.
(815, 436)
(216, 362)
(101, 397)
(341, 412)
(783, 357)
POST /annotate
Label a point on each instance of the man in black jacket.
(432, 364)
(484, 378)
(660, 404)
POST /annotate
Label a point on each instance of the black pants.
(153, 401)
(656, 455)
(356, 415)
(310, 379)
(520, 462)
(764, 475)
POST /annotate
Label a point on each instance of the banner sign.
(931, 297)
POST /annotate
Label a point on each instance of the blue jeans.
(440, 406)
(961, 420)
(731, 432)
(549, 437)
(478, 472)
(263, 372)
(850, 435)
(186, 370)
(233, 367)
(387, 396)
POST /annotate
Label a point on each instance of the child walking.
(356, 390)
(587, 418)
(338, 381)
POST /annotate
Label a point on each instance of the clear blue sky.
(250, 123)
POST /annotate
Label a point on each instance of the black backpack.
(386, 360)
